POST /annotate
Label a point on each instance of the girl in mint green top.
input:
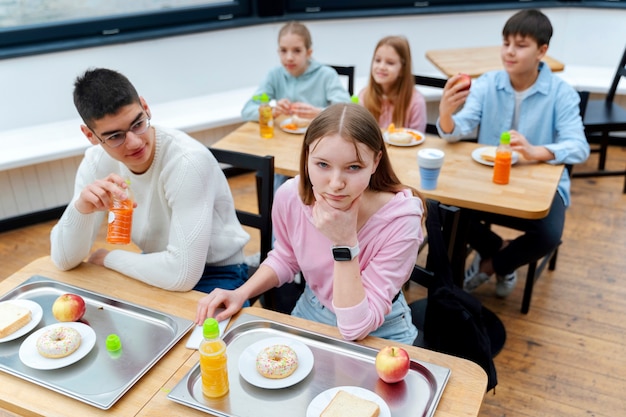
(301, 86)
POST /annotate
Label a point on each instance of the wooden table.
(475, 61)
(148, 397)
(462, 182)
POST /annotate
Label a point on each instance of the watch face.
(342, 254)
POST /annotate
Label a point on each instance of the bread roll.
(12, 318)
(300, 121)
(400, 137)
(345, 404)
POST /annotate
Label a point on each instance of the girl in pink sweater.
(349, 225)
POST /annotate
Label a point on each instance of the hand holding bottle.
(97, 195)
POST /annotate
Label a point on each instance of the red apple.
(464, 79)
(392, 364)
(68, 307)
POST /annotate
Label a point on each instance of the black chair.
(347, 71)
(603, 117)
(430, 82)
(239, 162)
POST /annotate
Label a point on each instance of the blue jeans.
(227, 277)
(398, 323)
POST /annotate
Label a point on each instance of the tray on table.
(98, 379)
(336, 363)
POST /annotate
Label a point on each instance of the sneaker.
(473, 277)
(505, 284)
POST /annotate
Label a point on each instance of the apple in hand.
(464, 79)
(68, 307)
(392, 364)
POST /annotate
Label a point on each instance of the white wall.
(37, 89)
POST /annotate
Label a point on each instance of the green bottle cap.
(505, 138)
(210, 329)
(113, 342)
(263, 98)
(354, 99)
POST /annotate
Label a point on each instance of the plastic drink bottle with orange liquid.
(120, 219)
(504, 156)
(213, 363)
(266, 117)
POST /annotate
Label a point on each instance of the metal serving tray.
(336, 363)
(98, 379)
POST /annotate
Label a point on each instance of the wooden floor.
(567, 357)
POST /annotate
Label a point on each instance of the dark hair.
(102, 92)
(403, 88)
(531, 23)
(351, 122)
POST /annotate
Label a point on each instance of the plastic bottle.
(502, 165)
(120, 219)
(213, 364)
(354, 99)
(266, 119)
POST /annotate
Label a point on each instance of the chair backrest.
(347, 71)
(264, 168)
(621, 72)
(430, 82)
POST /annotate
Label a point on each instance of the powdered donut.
(277, 361)
(58, 342)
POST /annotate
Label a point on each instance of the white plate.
(478, 151)
(321, 400)
(247, 363)
(36, 313)
(413, 142)
(299, 131)
(33, 359)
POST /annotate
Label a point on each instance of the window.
(85, 23)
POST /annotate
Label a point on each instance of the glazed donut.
(58, 342)
(276, 361)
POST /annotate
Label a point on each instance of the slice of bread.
(345, 404)
(400, 137)
(489, 154)
(12, 318)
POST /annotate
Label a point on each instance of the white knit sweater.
(184, 219)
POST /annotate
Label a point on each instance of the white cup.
(429, 161)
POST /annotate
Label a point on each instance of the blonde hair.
(299, 29)
(351, 122)
(402, 91)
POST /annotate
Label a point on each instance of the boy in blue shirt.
(542, 114)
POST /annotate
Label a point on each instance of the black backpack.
(454, 321)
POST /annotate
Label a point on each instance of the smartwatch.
(345, 253)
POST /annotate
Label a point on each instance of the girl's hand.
(283, 106)
(339, 226)
(97, 195)
(304, 110)
(207, 305)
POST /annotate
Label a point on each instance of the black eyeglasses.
(118, 138)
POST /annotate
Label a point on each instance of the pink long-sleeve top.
(389, 243)
(415, 118)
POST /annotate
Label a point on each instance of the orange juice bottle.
(502, 165)
(266, 117)
(120, 219)
(213, 364)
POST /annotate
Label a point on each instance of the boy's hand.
(97, 195)
(530, 152)
(454, 95)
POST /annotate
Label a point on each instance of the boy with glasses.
(184, 220)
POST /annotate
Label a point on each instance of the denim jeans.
(227, 277)
(398, 323)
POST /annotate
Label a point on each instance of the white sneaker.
(505, 284)
(473, 277)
